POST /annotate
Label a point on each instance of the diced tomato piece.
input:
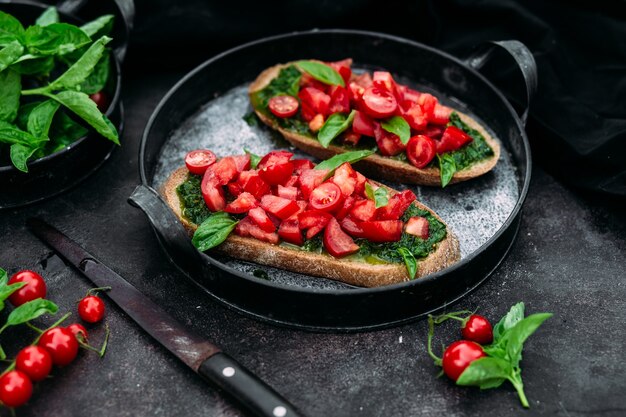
(441, 115)
(292, 181)
(225, 170)
(397, 205)
(307, 112)
(409, 94)
(283, 106)
(212, 191)
(362, 124)
(417, 226)
(420, 150)
(300, 165)
(363, 210)
(339, 100)
(356, 93)
(345, 178)
(388, 143)
(289, 231)
(302, 206)
(413, 114)
(278, 206)
(316, 123)
(343, 68)
(243, 227)
(234, 188)
(307, 80)
(246, 228)
(337, 242)
(364, 80)
(433, 131)
(326, 197)
(309, 179)
(260, 217)
(199, 160)
(428, 103)
(351, 227)
(276, 167)
(347, 205)
(382, 230)
(378, 102)
(252, 182)
(242, 162)
(315, 99)
(242, 204)
(351, 137)
(384, 80)
(359, 188)
(290, 193)
(313, 221)
(452, 139)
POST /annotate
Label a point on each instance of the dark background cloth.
(578, 117)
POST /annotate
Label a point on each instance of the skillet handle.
(168, 228)
(523, 57)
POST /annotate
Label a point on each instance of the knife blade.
(200, 355)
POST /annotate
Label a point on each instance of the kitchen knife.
(200, 355)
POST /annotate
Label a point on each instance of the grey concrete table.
(569, 259)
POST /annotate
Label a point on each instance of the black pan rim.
(348, 292)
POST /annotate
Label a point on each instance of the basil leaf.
(10, 53)
(11, 134)
(40, 118)
(10, 91)
(520, 332)
(63, 132)
(486, 373)
(331, 164)
(85, 108)
(251, 119)
(55, 39)
(447, 168)
(515, 314)
(39, 66)
(104, 22)
(4, 277)
(7, 290)
(10, 29)
(82, 68)
(254, 159)
(213, 231)
(30, 311)
(20, 155)
(409, 261)
(49, 16)
(96, 81)
(334, 125)
(380, 196)
(321, 72)
(398, 126)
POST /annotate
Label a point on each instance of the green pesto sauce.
(192, 204)
(475, 151)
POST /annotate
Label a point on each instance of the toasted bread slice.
(378, 165)
(346, 270)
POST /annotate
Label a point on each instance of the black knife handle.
(255, 395)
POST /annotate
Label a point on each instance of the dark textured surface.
(569, 259)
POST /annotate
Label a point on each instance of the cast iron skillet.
(55, 173)
(338, 309)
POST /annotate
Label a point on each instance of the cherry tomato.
(283, 106)
(396, 206)
(362, 124)
(458, 356)
(61, 343)
(420, 150)
(15, 388)
(276, 167)
(339, 100)
(326, 197)
(345, 177)
(212, 191)
(379, 103)
(478, 329)
(78, 330)
(35, 287)
(35, 362)
(290, 232)
(314, 101)
(91, 309)
(337, 242)
(101, 100)
(199, 160)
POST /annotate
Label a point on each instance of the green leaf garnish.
(447, 168)
(409, 261)
(333, 127)
(321, 72)
(331, 164)
(398, 126)
(213, 231)
(380, 196)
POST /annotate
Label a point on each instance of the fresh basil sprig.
(380, 196)
(333, 127)
(321, 72)
(331, 164)
(398, 126)
(213, 231)
(30, 311)
(7, 290)
(409, 261)
(254, 159)
(447, 168)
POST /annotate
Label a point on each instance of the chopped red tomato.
(326, 197)
(246, 227)
(351, 137)
(362, 124)
(441, 115)
(276, 167)
(413, 114)
(388, 143)
(345, 178)
(252, 182)
(343, 68)
(212, 191)
(433, 131)
(339, 100)
(397, 205)
(356, 93)
(234, 188)
(313, 221)
(283, 106)
(337, 242)
(315, 99)
(199, 160)
(347, 205)
(278, 206)
(417, 226)
(316, 123)
(308, 81)
(290, 193)
(289, 231)
(384, 80)
(359, 188)
(381, 230)
(428, 103)
(420, 150)
(300, 165)
(351, 227)
(409, 94)
(292, 181)
(363, 210)
(242, 162)
(379, 103)
(364, 80)
(452, 139)
(309, 179)
(260, 217)
(242, 204)
(225, 170)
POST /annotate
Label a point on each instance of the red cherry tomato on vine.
(283, 106)
(15, 388)
(101, 100)
(35, 287)
(61, 344)
(91, 309)
(35, 362)
(458, 356)
(478, 329)
(199, 160)
(78, 329)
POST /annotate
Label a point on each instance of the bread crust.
(378, 165)
(349, 271)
